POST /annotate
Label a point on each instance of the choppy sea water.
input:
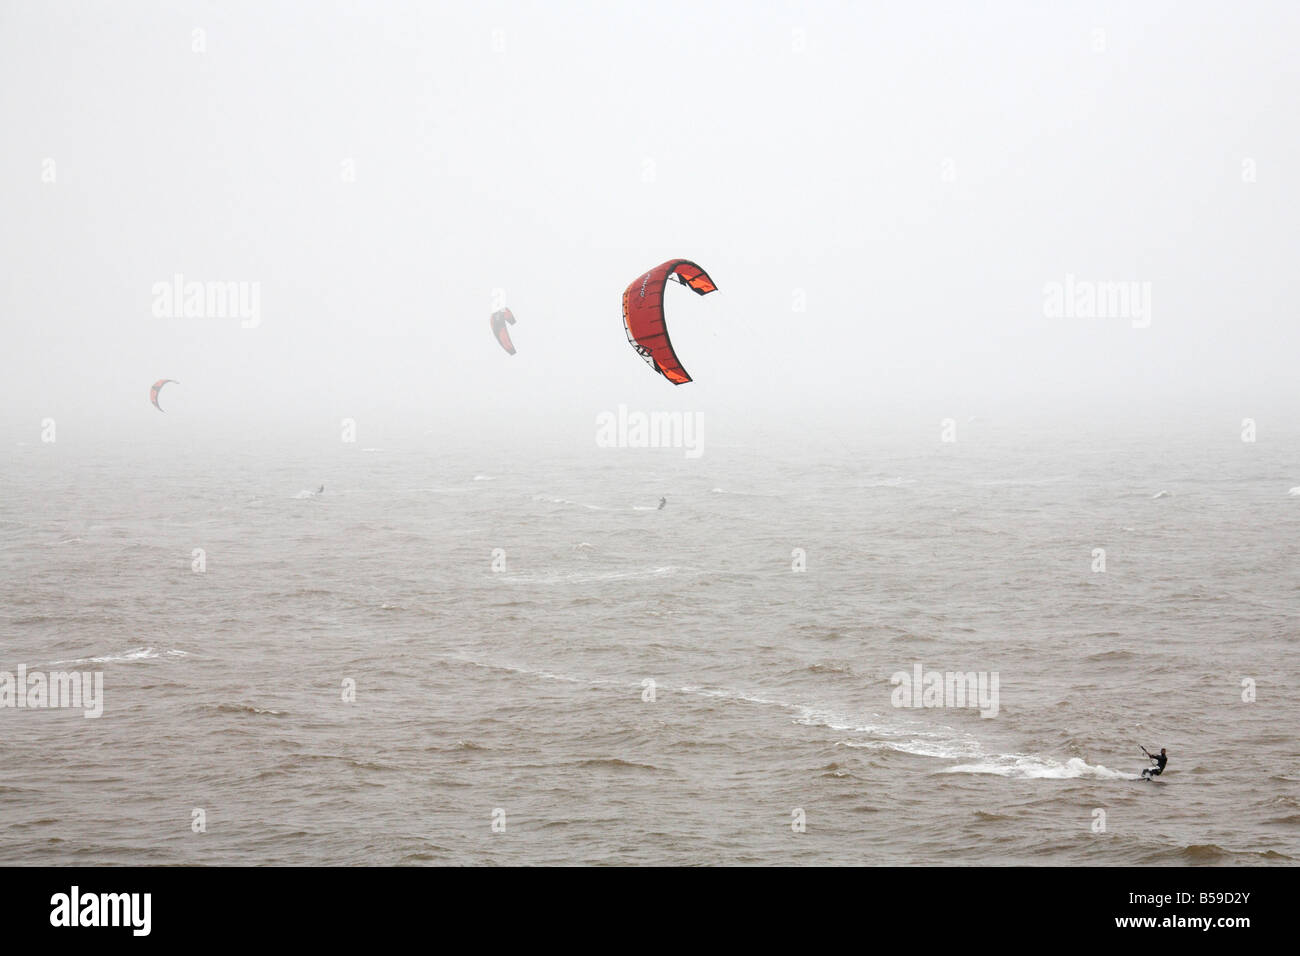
(505, 616)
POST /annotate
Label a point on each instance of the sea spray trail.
(911, 740)
(1038, 768)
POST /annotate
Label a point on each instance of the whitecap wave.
(583, 577)
(566, 501)
(135, 654)
(899, 482)
(1030, 766)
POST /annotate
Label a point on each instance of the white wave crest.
(1029, 766)
(135, 654)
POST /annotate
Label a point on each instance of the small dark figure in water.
(1159, 768)
(662, 502)
(320, 490)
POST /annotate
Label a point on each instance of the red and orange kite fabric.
(156, 387)
(643, 314)
(499, 320)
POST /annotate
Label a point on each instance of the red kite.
(643, 314)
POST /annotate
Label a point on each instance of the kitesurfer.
(1160, 762)
(662, 502)
(320, 490)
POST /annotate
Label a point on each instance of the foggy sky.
(912, 174)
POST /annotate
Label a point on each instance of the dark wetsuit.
(662, 502)
(1158, 769)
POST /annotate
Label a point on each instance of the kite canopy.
(156, 387)
(499, 320)
(643, 314)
